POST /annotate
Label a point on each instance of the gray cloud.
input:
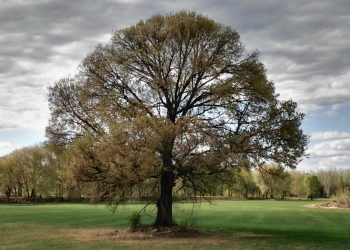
(304, 45)
(42, 41)
(305, 50)
(4, 125)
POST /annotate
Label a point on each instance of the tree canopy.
(171, 99)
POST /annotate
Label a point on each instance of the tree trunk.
(165, 202)
(33, 193)
(167, 182)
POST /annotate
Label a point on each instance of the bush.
(343, 198)
(135, 220)
(188, 221)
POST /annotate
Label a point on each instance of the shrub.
(135, 220)
(343, 198)
(188, 222)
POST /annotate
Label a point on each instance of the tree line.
(42, 173)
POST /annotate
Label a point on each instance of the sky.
(304, 44)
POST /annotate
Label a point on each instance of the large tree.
(168, 101)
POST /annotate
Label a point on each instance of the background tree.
(66, 184)
(9, 184)
(298, 185)
(27, 172)
(314, 187)
(171, 98)
(343, 180)
(328, 179)
(273, 181)
(244, 183)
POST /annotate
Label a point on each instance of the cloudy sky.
(304, 44)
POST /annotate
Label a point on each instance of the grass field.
(225, 225)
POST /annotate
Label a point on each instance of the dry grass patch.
(327, 205)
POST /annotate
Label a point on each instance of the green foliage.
(244, 183)
(273, 181)
(314, 187)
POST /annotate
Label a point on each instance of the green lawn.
(234, 225)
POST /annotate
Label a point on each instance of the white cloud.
(336, 147)
(331, 152)
(329, 162)
(330, 135)
(5, 145)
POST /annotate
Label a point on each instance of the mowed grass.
(231, 225)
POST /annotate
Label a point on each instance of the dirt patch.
(166, 236)
(248, 235)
